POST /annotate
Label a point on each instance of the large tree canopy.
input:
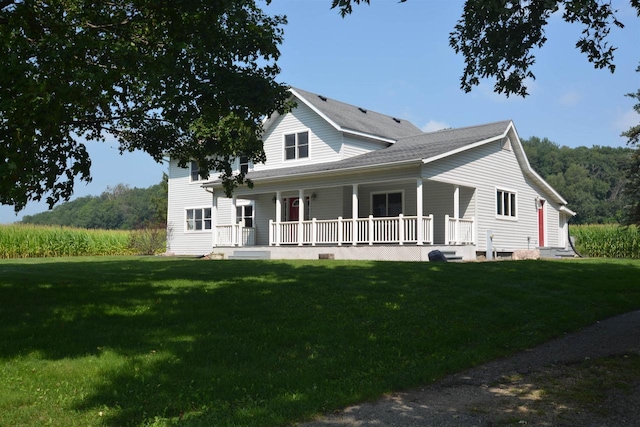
(188, 78)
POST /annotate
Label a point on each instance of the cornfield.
(607, 241)
(27, 241)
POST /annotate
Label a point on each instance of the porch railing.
(340, 231)
(459, 231)
(235, 235)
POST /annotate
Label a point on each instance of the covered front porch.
(401, 230)
(394, 212)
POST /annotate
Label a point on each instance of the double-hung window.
(195, 172)
(244, 164)
(245, 212)
(506, 204)
(198, 219)
(386, 204)
(296, 145)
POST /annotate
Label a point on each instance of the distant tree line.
(592, 180)
(118, 208)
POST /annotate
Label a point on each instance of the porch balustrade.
(371, 230)
(235, 235)
(460, 231)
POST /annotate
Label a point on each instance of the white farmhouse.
(355, 184)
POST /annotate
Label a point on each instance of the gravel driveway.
(543, 386)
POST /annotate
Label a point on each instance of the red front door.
(541, 224)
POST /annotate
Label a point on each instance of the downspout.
(571, 242)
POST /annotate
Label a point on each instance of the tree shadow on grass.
(264, 343)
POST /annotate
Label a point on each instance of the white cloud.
(434, 125)
(570, 99)
(486, 88)
(626, 120)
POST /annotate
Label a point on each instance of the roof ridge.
(469, 126)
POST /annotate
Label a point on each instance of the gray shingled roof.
(415, 148)
(350, 117)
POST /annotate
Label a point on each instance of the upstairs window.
(244, 164)
(195, 172)
(296, 145)
(505, 204)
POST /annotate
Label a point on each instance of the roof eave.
(324, 172)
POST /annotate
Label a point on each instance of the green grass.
(170, 341)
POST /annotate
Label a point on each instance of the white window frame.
(241, 164)
(387, 192)
(296, 147)
(193, 169)
(242, 207)
(511, 200)
(203, 219)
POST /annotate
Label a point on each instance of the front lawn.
(170, 341)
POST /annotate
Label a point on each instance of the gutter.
(354, 169)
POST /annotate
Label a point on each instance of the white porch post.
(419, 213)
(234, 202)
(456, 212)
(301, 203)
(278, 216)
(354, 213)
(214, 221)
(456, 201)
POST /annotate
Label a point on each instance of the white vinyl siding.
(487, 168)
(325, 142)
(354, 147)
(185, 194)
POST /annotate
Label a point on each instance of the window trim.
(203, 220)
(387, 192)
(241, 164)
(193, 170)
(296, 146)
(513, 196)
(242, 206)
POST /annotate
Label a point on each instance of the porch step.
(250, 255)
(557, 253)
(451, 256)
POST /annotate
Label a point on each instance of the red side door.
(541, 224)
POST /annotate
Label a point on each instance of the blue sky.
(395, 58)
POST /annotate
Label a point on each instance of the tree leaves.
(145, 72)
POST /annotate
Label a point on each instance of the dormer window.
(296, 145)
